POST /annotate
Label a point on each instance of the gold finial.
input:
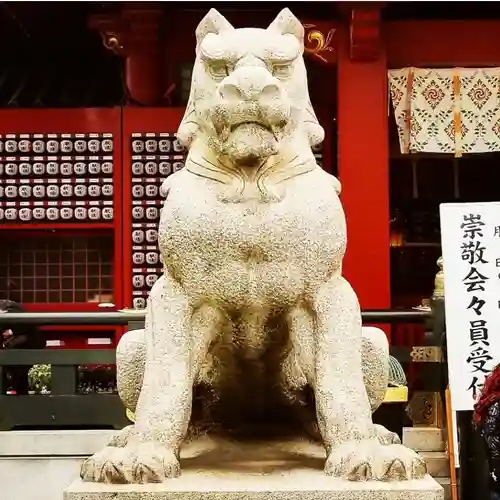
(439, 281)
(112, 42)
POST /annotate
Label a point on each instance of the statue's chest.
(274, 228)
(227, 222)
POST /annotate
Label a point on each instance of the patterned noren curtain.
(446, 110)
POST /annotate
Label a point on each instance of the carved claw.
(396, 470)
(144, 463)
(155, 463)
(110, 465)
(366, 460)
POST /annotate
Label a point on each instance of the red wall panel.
(58, 125)
(60, 208)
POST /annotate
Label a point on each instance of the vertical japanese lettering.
(473, 252)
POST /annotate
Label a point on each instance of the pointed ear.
(213, 22)
(286, 23)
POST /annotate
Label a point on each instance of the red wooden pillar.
(144, 63)
(363, 155)
(134, 34)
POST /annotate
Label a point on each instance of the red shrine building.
(91, 95)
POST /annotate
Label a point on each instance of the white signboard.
(470, 238)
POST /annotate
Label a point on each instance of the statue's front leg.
(176, 345)
(343, 407)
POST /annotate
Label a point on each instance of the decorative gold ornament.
(426, 409)
(112, 42)
(318, 43)
(426, 354)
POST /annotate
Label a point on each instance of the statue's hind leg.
(375, 365)
(130, 364)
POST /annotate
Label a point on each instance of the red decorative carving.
(364, 32)
(134, 33)
(320, 41)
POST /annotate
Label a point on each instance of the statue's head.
(249, 89)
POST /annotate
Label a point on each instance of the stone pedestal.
(267, 471)
(430, 443)
(424, 438)
(39, 465)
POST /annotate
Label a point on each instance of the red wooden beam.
(363, 19)
(364, 33)
(134, 33)
(442, 43)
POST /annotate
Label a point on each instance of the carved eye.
(281, 70)
(218, 71)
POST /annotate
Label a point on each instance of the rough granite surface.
(274, 471)
(252, 235)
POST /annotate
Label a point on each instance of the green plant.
(39, 378)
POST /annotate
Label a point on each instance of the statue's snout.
(252, 84)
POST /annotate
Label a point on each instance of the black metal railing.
(65, 406)
(123, 318)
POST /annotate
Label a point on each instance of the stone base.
(267, 471)
(39, 465)
(424, 438)
(52, 443)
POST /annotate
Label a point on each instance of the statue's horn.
(213, 22)
(286, 23)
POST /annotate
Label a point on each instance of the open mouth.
(258, 124)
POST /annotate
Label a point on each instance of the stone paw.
(121, 437)
(386, 436)
(141, 464)
(371, 460)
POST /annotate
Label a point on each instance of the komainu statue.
(252, 324)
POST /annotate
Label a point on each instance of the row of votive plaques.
(52, 146)
(55, 168)
(140, 236)
(153, 145)
(151, 258)
(144, 280)
(149, 190)
(148, 213)
(55, 191)
(55, 214)
(152, 168)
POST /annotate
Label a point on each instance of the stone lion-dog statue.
(252, 235)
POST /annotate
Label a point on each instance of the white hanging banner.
(470, 239)
(446, 110)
